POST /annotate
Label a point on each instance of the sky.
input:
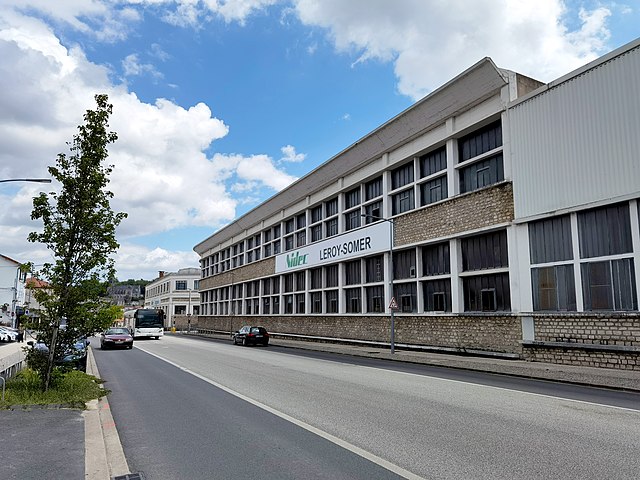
(219, 105)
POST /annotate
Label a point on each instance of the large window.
(486, 293)
(352, 198)
(480, 141)
(181, 284)
(605, 231)
(331, 227)
(485, 171)
(331, 276)
(405, 294)
(373, 188)
(403, 201)
(402, 176)
(489, 291)
(609, 285)
(481, 174)
(433, 190)
(436, 294)
(374, 269)
(353, 300)
(331, 300)
(404, 264)
(375, 299)
(553, 287)
(352, 220)
(352, 272)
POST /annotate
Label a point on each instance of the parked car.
(75, 357)
(250, 335)
(8, 334)
(116, 337)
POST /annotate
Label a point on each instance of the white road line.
(327, 436)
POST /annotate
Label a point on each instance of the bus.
(145, 322)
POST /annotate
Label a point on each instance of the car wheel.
(244, 341)
(235, 340)
(266, 344)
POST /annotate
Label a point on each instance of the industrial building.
(498, 214)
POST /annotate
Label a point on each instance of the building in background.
(498, 214)
(126, 294)
(12, 290)
(176, 294)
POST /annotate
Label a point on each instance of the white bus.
(145, 322)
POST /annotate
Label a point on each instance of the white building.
(175, 293)
(12, 289)
(500, 214)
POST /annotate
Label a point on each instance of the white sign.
(393, 305)
(355, 243)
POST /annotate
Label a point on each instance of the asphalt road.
(219, 411)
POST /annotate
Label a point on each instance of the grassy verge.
(70, 389)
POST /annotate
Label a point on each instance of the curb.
(103, 453)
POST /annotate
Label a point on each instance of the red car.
(116, 337)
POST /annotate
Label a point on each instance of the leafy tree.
(79, 230)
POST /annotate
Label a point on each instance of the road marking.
(310, 428)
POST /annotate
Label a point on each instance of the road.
(191, 408)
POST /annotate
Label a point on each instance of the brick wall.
(479, 209)
(497, 333)
(610, 340)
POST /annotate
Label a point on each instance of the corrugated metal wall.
(579, 141)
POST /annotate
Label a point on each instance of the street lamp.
(189, 313)
(34, 180)
(392, 308)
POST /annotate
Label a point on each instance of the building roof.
(10, 260)
(33, 282)
(473, 86)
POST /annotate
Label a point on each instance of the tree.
(79, 229)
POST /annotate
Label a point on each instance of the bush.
(69, 389)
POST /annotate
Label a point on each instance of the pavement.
(58, 442)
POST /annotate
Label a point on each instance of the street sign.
(393, 305)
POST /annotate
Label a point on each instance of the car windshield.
(117, 331)
(257, 330)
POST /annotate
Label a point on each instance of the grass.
(69, 389)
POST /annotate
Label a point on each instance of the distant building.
(175, 293)
(126, 294)
(32, 307)
(12, 289)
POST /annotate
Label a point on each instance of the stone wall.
(474, 210)
(498, 333)
(587, 339)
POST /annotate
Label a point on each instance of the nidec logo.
(295, 260)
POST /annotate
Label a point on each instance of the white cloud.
(290, 154)
(139, 262)
(430, 42)
(162, 177)
(132, 67)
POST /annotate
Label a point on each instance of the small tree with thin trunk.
(79, 230)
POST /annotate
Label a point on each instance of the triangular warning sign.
(393, 305)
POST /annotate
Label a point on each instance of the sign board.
(393, 305)
(355, 243)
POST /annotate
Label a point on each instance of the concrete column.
(457, 294)
(575, 243)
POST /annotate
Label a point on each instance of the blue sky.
(221, 104)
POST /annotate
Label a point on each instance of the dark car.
(249, 335)
(116, 337)
(75, 357)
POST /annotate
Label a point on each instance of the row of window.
(165, 287)
(599, 252)
(479, 164)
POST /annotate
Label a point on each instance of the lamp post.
(392, 308)
(189, 313)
